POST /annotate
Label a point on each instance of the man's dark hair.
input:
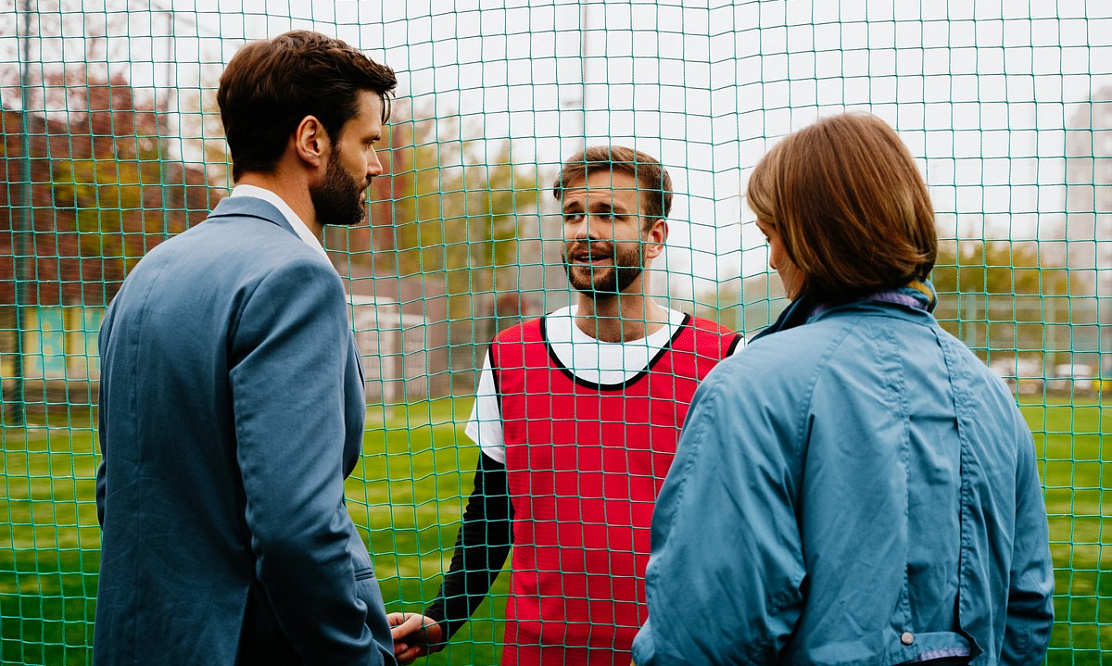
(270, 86)
(652, 179)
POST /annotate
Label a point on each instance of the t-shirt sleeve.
(484, 427)
(482, 546)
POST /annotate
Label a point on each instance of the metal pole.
(577, 104)
(583, 29)
(164, 123)
(17, 401)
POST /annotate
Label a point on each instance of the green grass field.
(408, 496)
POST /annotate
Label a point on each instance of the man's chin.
(351, 222)
(584, 276)
(600, 287)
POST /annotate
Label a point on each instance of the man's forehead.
(601, 188)
(598, 187)
(600, 178)
(597, 195)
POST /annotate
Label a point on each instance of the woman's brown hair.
(850, 206)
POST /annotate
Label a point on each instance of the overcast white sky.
(981, 92)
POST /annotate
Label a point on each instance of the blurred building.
(93, 195)
(1088, 227)
(79, 205)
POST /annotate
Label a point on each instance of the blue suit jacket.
(231, 410)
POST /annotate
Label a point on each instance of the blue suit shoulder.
(239, 246)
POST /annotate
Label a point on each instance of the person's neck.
(290, 190)
(619, 318)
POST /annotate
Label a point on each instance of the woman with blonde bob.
(855, 487)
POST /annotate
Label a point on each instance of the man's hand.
(414, 636)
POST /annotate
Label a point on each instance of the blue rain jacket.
(860, 489)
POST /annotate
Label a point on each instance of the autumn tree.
(115, 159)
(110, 185)
(453, 212)
(1000, 295)
(997, 296)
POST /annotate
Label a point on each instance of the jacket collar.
(915, 295)
(251, 207)
(797, 313)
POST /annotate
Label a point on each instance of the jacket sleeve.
(1030, 611)
(102, 470)
(723, 581)
(287, 353)
(102, 431)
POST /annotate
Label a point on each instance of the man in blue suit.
(231, 396)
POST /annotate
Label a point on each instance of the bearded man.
(231, 396)
(577, 416)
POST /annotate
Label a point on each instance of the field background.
(111, 143)
(407, 498)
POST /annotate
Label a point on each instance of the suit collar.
(251, 207)
(267, 207)
(273, 198)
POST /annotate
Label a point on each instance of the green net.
(112, 143)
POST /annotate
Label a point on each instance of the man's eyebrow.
(597, 206)
(617, 207)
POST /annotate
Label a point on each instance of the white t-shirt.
(589, 359)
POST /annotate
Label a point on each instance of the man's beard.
(607, 281)
(337, 198)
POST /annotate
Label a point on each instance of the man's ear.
(311, 142)
(655, 238)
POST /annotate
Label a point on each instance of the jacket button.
(906, 638)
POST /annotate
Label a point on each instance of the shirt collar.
(299, 227)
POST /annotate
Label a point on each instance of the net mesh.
(111, 144)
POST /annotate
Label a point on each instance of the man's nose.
(583, 229)
(374, 165)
